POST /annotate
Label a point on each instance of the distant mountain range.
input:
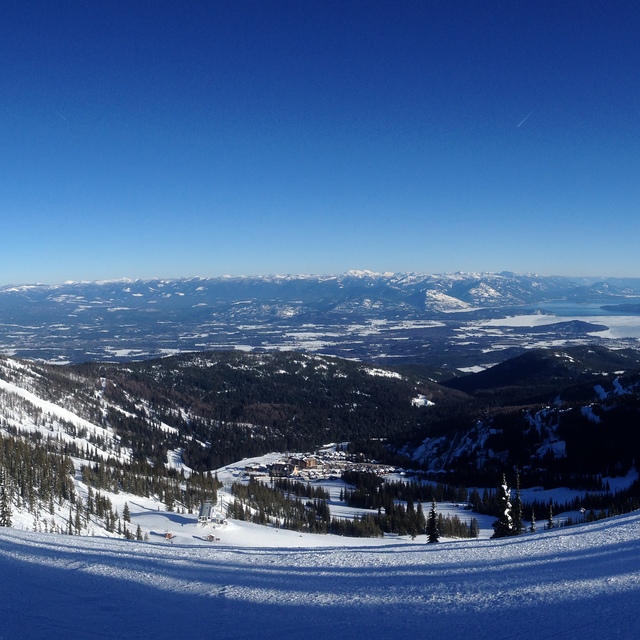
(408, 318)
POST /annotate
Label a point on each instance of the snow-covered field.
(573, 582)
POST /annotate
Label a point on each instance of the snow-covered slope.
(575, 582)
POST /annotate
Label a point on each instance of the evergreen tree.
(517, 511)
(77, 522)
(421, 520)
(550, 524)
(138, 533)
(70, 522)
(433, 531)
(412, 521)
(532, 528)
(126, 513)
(5, 504)
(90, 502)
(503, 526)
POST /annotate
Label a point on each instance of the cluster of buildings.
(320, 466)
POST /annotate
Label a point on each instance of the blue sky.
(167, 139)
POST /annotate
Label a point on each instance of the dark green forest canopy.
(219, 407)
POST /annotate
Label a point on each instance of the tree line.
(277, 503)
(371, 491)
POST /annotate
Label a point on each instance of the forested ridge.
(131, 423)
(242, 405)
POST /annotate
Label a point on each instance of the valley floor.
(581, 581)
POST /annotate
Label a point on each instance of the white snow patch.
(421, 401)
(383, 373)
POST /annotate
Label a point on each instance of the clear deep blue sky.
(168, 139)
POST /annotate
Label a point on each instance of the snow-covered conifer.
(5, 504)
(517, 510)
(503, 526)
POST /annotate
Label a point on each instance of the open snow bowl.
(582, 580)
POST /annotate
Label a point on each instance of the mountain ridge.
(216, 407)
(371, 317)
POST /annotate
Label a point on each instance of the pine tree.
(550, 524)
(70, 522)
(433, 531)
(532, 528)
(421, 520)
(5, 504)
(503, 526)
(517, 511)
(90, 502)
(126, 513)
(412, 523)
(77, 522)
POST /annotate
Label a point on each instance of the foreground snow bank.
(581, 581)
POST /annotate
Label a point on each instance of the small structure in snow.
(208, 514)
(205, 513)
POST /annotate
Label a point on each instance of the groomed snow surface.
(577, 582)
